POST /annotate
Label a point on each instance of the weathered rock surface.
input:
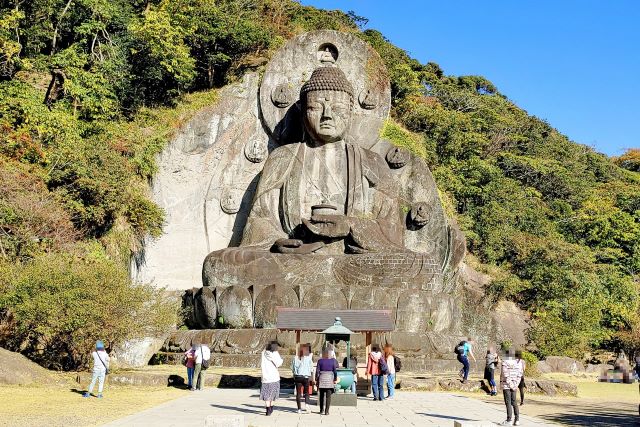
(400, 250)
(136, 352)
(543, 367)
(597, 368)
(547, 387)
(204, 184)
(564, 364)
(550, 388)
(16, 369)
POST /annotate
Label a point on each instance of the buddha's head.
(327, 99)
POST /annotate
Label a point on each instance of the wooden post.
(368, 346)
(366, 385)
(298, 334)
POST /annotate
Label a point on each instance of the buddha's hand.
(295, 246)
(332, 226)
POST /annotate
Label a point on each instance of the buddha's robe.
(297, 176)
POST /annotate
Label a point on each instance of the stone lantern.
(338, 332)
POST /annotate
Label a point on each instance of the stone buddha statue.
(326, 221)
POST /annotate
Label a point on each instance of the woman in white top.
(100, 368)
(269, 364)
(391, 365)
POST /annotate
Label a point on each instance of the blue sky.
(574, 63)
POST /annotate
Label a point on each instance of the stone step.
(409, 364)
(252, 380)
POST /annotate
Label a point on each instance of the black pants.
(302, 387)
(325, 392)
(521, 387)
(511, 402)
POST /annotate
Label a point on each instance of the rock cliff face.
(205, 184)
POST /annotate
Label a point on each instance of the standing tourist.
(510, 376)
(100, 369)
(301, 368)
(521, 385)
(352, 364)
(332, 350)
(463, 351)
(269, 364)
(189, 361)
(202, 360)
(375, 369)
(326, 378)
(391, 367)
(490, 369)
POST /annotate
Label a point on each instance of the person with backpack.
(391, 367)
(189, 361)
(463, 350)
(100, 369)
(326, 378)
(510, 377)
(269, 363)
(491, 364)
(377, 369)
(301, 368)
(203, 358)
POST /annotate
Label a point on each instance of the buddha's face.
(327, 115)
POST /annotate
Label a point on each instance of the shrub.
(531, 364)
(60, 304)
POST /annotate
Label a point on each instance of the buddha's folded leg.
(389, 269)
(249, 266)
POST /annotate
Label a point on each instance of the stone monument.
(282, 193)
(340, 218)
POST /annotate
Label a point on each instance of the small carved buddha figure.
(326, 209)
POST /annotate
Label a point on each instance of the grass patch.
(590, 388)
(62, 406)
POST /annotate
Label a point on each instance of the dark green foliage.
(556, 223)
(560, 221)
(60, 304)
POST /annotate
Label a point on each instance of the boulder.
(597, 368)
(136, 352)
(422, 384)
(543, 367)
(564, 364)
(449, 384)
(16, 369)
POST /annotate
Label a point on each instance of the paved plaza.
(406, 409)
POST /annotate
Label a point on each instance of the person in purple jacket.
(326, 378)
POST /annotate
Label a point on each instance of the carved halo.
(230, 200)
(292, 65)
(255, 151)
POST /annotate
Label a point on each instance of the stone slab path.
(213, 406)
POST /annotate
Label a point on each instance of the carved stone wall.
(205, 183)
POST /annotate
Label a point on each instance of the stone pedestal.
(344, 399)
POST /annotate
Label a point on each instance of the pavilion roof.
(317, 320)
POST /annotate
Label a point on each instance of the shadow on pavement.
(446, 417)
(251, 409)
(238, 409)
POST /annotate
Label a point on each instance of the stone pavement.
(406, 409)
